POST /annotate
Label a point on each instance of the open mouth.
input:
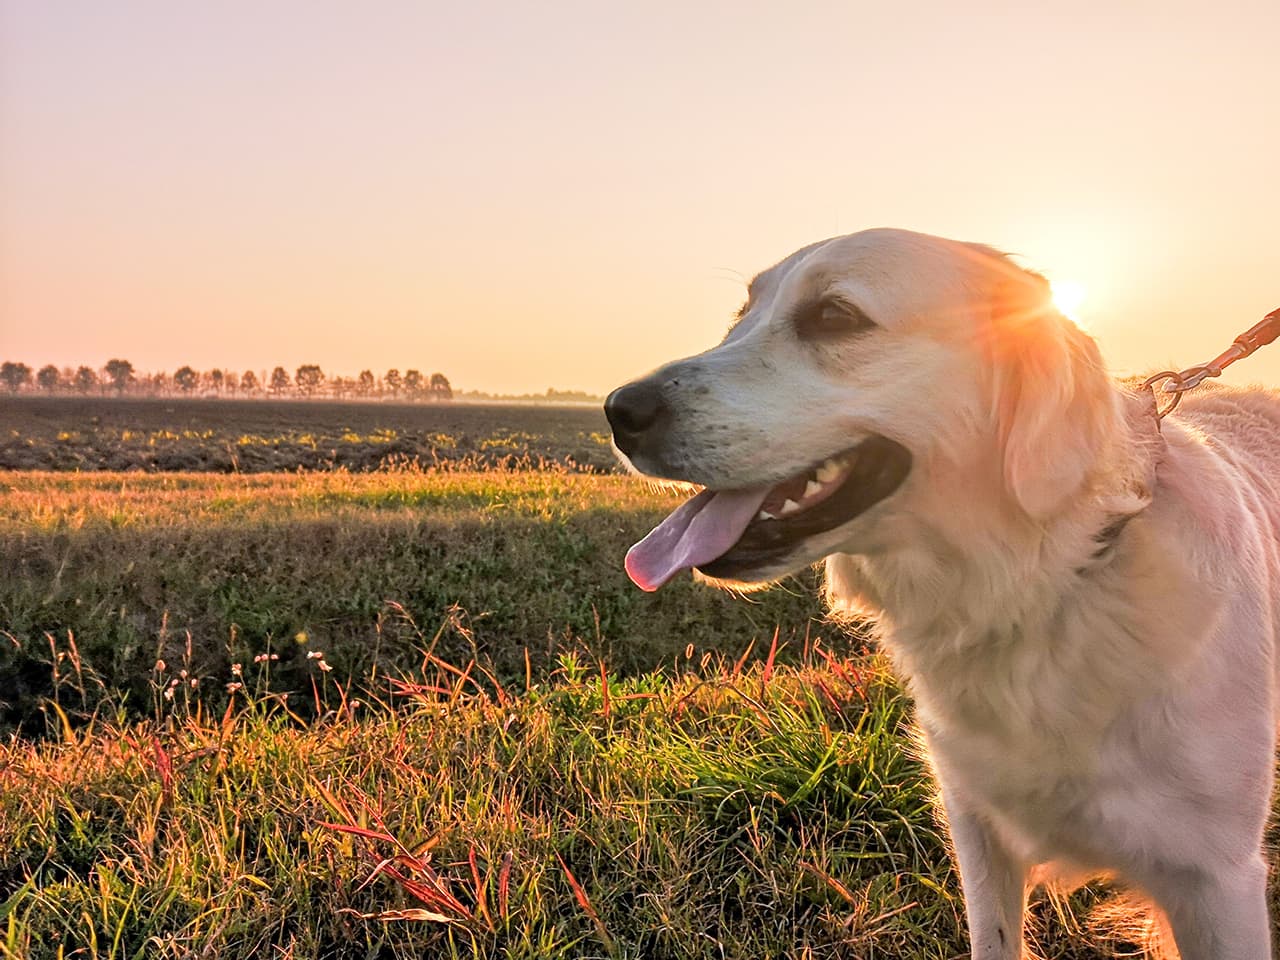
(730, 534)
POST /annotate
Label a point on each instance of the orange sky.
(568, 193)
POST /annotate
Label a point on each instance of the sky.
(526, 195)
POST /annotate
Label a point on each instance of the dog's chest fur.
(1012, 744)
(1019, 755)
(1020, 716)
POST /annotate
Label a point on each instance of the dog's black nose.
(632, 410)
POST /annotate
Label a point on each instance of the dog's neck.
(974, 584)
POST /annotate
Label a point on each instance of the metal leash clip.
(1259, 335)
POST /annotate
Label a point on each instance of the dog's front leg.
(994, 883)
(1218, 911)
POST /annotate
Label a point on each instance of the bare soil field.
(257, 436)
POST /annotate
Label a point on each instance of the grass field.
(512, 568)
(251, 436)
(422, 713)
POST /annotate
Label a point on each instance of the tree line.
(309, 381)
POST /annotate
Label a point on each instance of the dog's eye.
(828, 319)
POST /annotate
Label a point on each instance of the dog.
(1083, 598)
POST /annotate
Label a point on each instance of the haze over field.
(570, 193)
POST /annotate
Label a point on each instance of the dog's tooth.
(828, 471)
(765, 515)
(812, 487)
(788, 506)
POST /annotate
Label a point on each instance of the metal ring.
(1161, 377)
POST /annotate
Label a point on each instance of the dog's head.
(862, 372)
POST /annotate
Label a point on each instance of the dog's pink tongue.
(695, 533)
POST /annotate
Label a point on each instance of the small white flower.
(233, 687)
(324, 666)
(315, 654)
(182, 674)
(235, 669)
(160, 666)
(168, 693)
(195, 681)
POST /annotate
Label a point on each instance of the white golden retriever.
(1084, 600)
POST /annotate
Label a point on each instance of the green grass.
(703, 812)
(119, 570)
(424, 714)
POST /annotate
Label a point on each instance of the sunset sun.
(1068, 296)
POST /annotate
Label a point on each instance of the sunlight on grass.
(62, 501)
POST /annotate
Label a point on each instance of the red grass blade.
(504, 886)
(432, 896)
(830, 697)
(855, 681)
(357, 831)
(482, 905)
(604, 691)
(830, 881)
(585, 903)
(164, 767)
(768, 664)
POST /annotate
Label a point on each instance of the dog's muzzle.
(745, 533)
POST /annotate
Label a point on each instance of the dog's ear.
(1055, 407)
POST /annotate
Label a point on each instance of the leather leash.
(1259, 335)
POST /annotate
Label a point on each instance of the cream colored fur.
(1093, 702)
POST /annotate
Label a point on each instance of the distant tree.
(279, 381)
(186, 379)
(86, 379)
(413, 383)
(215, 379)
(364, 383)
(157, 384)
(48, 378)
(14, 375)
(339, 386)
(440, 388)
(248, 383)
(392, 382)
(120, 372)
(309, 378)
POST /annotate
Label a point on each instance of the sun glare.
(1068, 295)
